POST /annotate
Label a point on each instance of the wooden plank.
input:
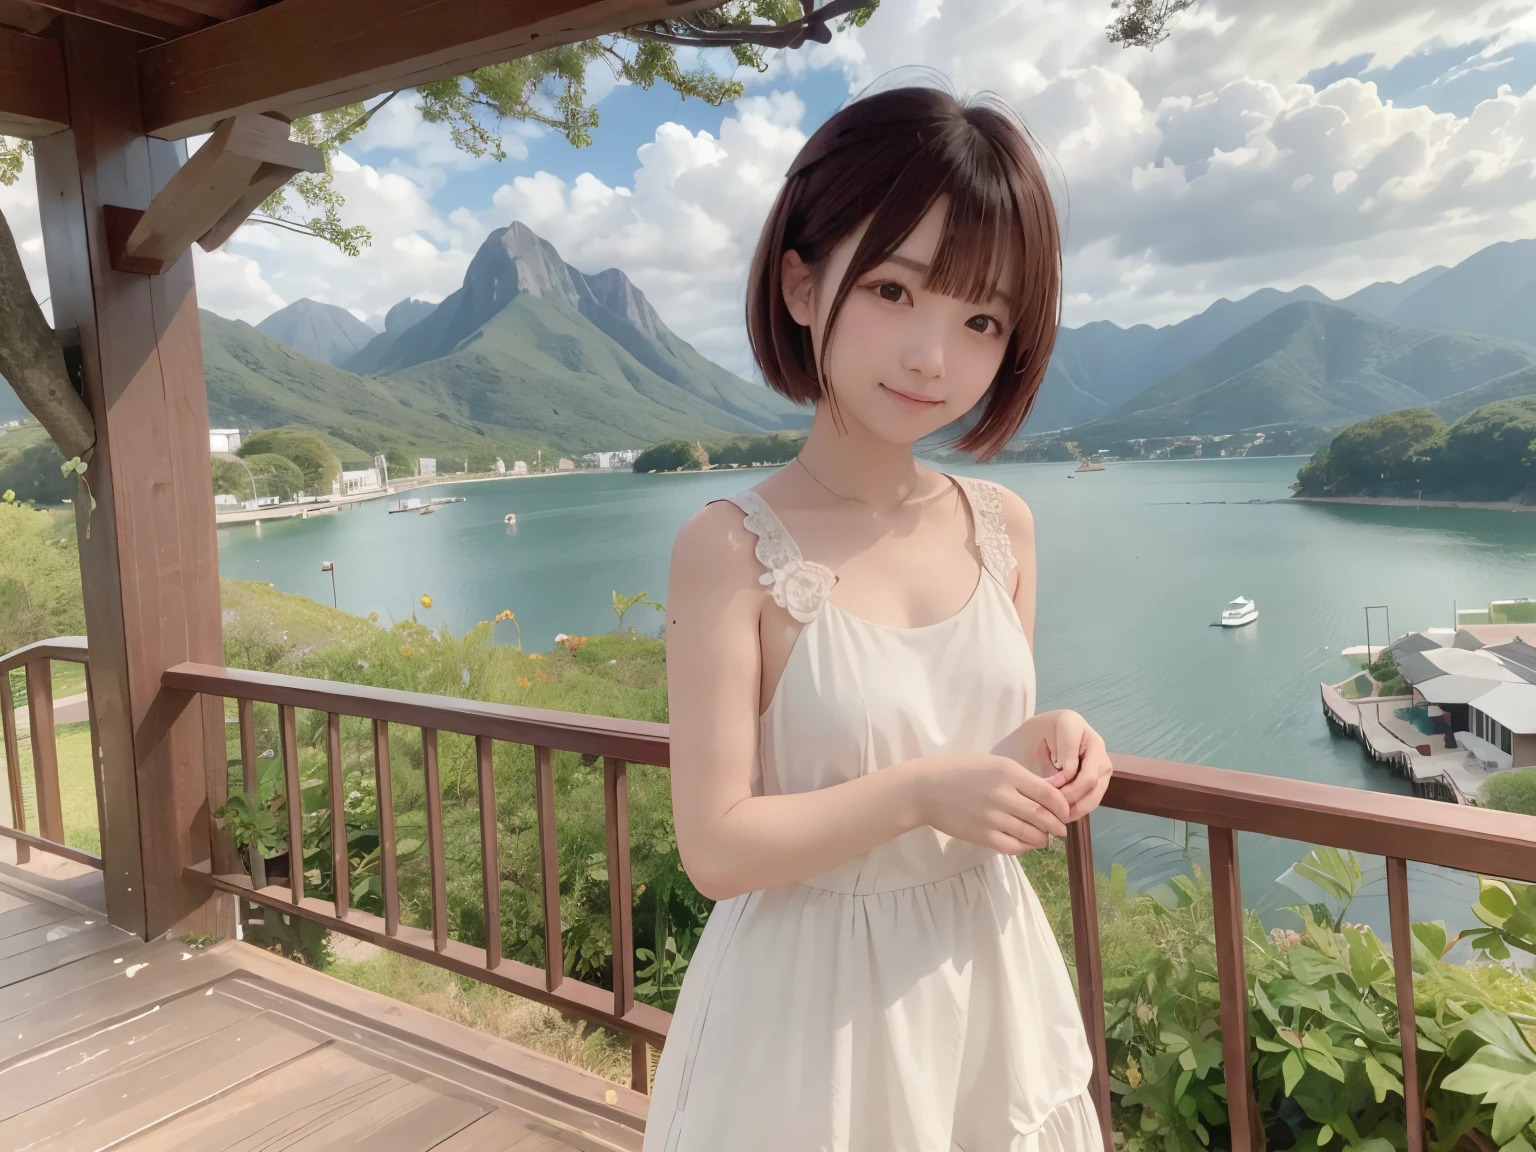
(637, 741)
(435, 863)
(57, 953)
(272, 1111)
(33, 98)
(149, 1090)
(90, 1059)
(1402, 963)
(45, 751)
(490, 856)
(75, 978)
(1090, 966)
(621, 896)
(549, 865)
(294, 801)
(505, 1131)
(148, 548)
(96, 780)
(1231, 974)
(44, 933)
(120, 14)
(413, 1118)
(336, 801)
(305, 56)
(384, 790)
(26, 841)
(126, 991)
(14, 921)
(13, 766)
(250, 782)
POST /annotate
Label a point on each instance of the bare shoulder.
(714, 555)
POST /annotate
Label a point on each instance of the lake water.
(1135, 564)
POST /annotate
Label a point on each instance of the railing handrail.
(66, 649)
(638, 741)
(1426, 831)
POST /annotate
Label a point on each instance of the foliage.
(31, 465)
(39, 576)
(1143, 23)
(276, 475)
(315, 461)
(1512, 792)
(669, 456)
(1488, 452)
(1385, 455)
(1388, 678)
(756, 450)
(622, 605)
(547, 88)
(13, 158)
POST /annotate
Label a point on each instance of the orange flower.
(540, 676)
(534, 656)
(523, 682)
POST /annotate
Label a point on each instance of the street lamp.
(328, 566)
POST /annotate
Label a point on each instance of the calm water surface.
(1135, 564)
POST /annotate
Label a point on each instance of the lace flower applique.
(991, 529)
(798, 585)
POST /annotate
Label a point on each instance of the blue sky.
(1330, 142)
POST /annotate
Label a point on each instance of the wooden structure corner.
(247, 158)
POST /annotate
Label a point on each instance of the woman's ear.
(799, 286)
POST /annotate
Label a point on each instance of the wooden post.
(148, 557)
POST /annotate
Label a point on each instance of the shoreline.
(1406, 502)
(395, 488)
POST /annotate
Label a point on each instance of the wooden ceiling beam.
(33, 98)
(302, 56)
(118, 15)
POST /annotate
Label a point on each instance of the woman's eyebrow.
(922, 269)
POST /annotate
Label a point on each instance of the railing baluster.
(621, 929)
(435, 861)
(384, 787)
(1090, 967)
(341, 858)
(549, 870)
(1408, 1025)
(490, 858)
(45, 751)
(101, 788)
(1231, 974)
(290, 753)
(13, 766)
(250, 780)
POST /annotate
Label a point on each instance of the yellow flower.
(426, 601)
(523, 682)
(534, 656)
(407, 650)
(540, 676)
(505, 614)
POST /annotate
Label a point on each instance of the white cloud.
(18, 204)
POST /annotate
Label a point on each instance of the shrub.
(1512, 792)
(316, 462)
(669, 456)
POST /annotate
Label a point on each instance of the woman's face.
(904, 361)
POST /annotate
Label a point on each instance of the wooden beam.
(245, 159)
(33, 99)
(304, 56)
(146, 19)
(148, 556)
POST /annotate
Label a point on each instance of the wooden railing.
(36, 660)
(1399, 828)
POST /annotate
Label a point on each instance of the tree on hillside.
(669, 456)
(1488, 452)
(276, 475)
(1392, 454)
(317, 463)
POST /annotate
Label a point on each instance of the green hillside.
(255, 382)
(1510, 386)
(540, 364)
(1313, 364)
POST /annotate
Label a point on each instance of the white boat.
(1240, 611)
(511, 518)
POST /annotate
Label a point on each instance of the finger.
(1045, 795)
(1094, 770)
(1091, 801)
(1069, 741)
(1024, 832)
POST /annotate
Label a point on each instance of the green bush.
(1390, 680)
(315, 461)
(669, 456)
(40, 593)
(1512, 791)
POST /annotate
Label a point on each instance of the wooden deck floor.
(108, 1042)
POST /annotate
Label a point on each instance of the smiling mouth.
(916, 401)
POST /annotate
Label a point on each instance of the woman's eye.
(979, 323)
(891, 291)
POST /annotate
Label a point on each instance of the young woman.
(856, 760)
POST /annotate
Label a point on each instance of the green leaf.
(1432, 935)
(1319, 1053)
(1381, 1080)
(1292, 1070)
(1515, 1111)
(1324, 1134)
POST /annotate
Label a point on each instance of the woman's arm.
(733, 842)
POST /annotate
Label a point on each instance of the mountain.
(1492, 291)
(1315, 364)
(396, 321)
(1101, 366)
(1380, 298)
(255, 382)
(528, 341)
(319, 331)
(1510, 386)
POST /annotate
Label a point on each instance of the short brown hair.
(888, 157)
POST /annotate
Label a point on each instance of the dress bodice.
(856, 696)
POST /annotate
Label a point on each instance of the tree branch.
(32, 360)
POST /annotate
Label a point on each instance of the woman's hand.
(989, 800)
(1061, 748)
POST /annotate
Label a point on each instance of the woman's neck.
(852, 464)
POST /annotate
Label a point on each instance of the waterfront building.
(223, 440)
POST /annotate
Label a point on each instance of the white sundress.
(912, 999)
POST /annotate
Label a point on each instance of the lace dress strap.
(986, 502)
(798, 585)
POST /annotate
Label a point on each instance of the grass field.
(77, 787)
